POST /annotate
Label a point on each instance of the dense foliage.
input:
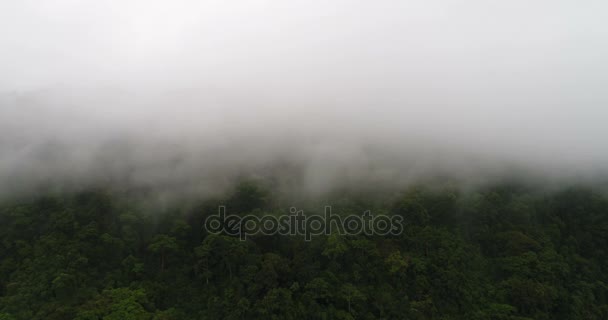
(497, 253)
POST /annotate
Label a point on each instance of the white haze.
(189, 95)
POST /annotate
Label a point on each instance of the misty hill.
(497, 252)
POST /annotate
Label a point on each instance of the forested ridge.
(497, 252)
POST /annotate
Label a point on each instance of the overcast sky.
(160, 92)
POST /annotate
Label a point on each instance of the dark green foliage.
(504, 253)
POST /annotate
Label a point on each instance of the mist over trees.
(125, 124)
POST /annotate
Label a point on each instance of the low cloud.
(191, 96)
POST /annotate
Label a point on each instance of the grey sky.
(346, 90)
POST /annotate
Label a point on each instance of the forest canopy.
(498, 252)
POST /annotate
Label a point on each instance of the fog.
(189, 96)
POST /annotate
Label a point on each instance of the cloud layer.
(190, 95)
